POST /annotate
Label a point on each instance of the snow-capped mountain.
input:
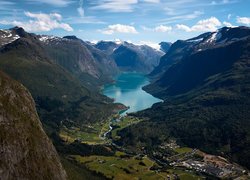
(8, 36)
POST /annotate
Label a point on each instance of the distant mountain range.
(205, 85)
(130, 57)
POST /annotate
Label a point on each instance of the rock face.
(26, 151)
(80, 58)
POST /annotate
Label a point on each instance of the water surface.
(128, 90)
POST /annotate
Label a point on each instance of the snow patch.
(215, 37)
(118, 41)
(153, 45)
(7, 37)
(48, 38)
(196, 40)
(44, 38)
(114, 49)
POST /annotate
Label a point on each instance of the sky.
(138, 21)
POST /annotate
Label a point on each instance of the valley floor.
(183, 163)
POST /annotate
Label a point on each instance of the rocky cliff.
(26, 152)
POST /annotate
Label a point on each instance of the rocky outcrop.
(25, 150)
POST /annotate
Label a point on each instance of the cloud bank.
(119, 28)
(40, 22)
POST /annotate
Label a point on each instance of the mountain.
(218, 51)
(87, 63)
(205, 84)
(130, 57)
(165, 46)
(26, 151)
(61, 98)
(107, 46)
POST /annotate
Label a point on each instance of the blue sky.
(138, 21)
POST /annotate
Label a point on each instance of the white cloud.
(160, 28)
(119, 28)
(228, 24)
(80, 8)
(182, 17)
(210, 24)
(243, 20)
(223, 2)
(41, 22)
(84, 20)
(58, 3)
(184, 27)
(115, 5)
(152, 1)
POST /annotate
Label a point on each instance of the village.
(198, 161)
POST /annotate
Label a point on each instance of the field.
(125, 167)
(89, 134)
(183, 150)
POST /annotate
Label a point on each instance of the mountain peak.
(19, 31)
(71, 37)
(164, 46)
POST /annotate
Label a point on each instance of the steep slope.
(206, 95)
(61, 98)
(189, 63)
(85, 62)
(26, 151)
(130, 57)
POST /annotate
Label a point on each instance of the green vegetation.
(76, 171)
(91, 134)
(121, 124)
(207, 104)
(117, 167)
(183, 150)
(61, 98)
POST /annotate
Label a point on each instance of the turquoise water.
(128, 90)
